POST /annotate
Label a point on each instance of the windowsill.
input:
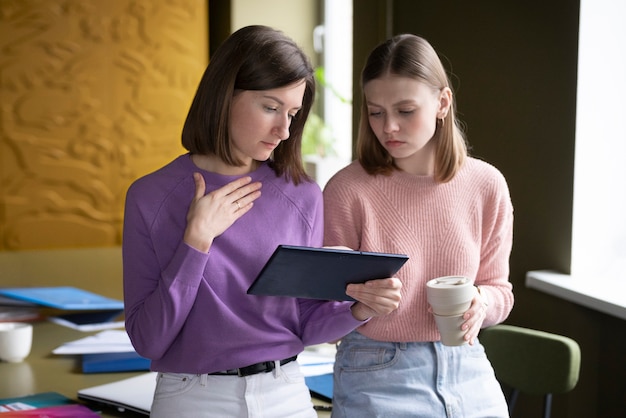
(605, 296)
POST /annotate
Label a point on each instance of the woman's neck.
(421, 163)
(214, 164)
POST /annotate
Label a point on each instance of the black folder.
(321, 273)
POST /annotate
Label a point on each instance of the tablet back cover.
(321, 273)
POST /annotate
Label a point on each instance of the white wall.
(297, 18)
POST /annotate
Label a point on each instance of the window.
(334, 40)
(599, 221)
(598, 270)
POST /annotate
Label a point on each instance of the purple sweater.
(188, 311)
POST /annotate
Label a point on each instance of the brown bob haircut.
(410, 56)
(252, 58)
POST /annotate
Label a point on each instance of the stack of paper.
(106, 352)
(80, 309)
(12, 310)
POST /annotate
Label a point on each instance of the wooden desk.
(43, 371)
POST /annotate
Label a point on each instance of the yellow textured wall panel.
(93, 94)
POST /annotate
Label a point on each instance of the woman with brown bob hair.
(198, 231)
(259, 59)
(414, 190)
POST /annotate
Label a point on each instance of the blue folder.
(62, 297)
(321, 386)
(114, 362)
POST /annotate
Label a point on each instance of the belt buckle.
(247, 371)
(264, 367)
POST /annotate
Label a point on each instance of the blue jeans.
(423, 379)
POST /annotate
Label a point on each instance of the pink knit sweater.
(463, 227)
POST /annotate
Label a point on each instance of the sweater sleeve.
(157, 299)
(497, 240)
(325, 321)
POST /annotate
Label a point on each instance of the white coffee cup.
(450, 295)
(16, 339)
(450, 329)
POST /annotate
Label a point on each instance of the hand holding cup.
(450, 297)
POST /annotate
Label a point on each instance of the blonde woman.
(415, 190)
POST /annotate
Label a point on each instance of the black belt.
(263, 367)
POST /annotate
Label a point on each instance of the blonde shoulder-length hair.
(411, 56)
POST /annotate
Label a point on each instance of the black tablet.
(321, 273)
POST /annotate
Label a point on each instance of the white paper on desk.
(86, 327)
(110, 341)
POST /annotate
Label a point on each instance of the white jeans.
(280, 393)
